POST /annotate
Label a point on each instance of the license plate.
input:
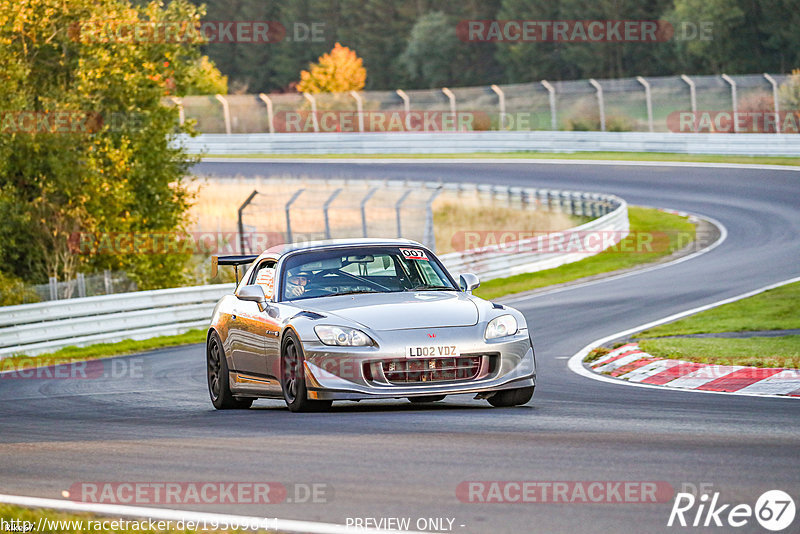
(432, 351)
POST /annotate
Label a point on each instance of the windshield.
(347, 271)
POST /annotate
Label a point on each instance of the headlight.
(344, 337)
(502, 326)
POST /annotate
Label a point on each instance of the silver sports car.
(362, 319)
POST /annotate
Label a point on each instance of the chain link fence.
(626, 104)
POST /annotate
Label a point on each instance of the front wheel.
(511, 397)
(219, 378)
(293, 378)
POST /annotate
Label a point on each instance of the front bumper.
(354, 373)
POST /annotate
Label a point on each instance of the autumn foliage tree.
(337, 71)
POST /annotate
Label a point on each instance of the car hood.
(398, 311)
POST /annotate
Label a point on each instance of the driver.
(296, 284)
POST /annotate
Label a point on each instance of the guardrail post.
(774, 84)
(241, 222)
(649, 99)
(359, 109)
(692, 93)
(314, 119)
(364, 210)
(397, 208)
(270, 113)
(429, 239)
(600, 103)
(287, 208)
(551, 95)
(179, 104)
(226, 111)
(502, 104)
(325, 207)
(733, 100)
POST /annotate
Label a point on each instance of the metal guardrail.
(465, 142)
(44, 327)
(527, 255)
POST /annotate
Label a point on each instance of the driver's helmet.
(298, 279)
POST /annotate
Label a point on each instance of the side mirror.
(468, 282)
(253, 293)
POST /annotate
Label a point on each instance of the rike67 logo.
(774, 510)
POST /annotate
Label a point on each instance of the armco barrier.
(47, 326)
(465, 142)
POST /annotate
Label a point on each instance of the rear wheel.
(218, 378)
(511, 397)
(426, 399)
(293, 378)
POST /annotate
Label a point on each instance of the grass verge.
(670, 232)
(626, 156)
(100, 350)
(754, 351)
(55, 522)
(776, 309)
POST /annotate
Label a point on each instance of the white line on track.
(518, 161)
(165, 514)
(575, 363)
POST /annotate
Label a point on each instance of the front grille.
(405, 371)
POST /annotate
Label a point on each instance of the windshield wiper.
(425, 287)
(354, 292)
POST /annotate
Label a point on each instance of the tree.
(431, 50)
(338, 71)
(114, 169)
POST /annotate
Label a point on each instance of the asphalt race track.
(392, 459)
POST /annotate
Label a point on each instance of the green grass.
(101, 350)
(627, 156)
(671, 232)
(755, 351)
(776, 309)
(89, 525)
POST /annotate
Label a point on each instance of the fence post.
(774, 84)
(364, 209)
(241, 222)
(649, 99)
(314, 119)
(226, 111)
(81, 285)
(552, 97)
(325, 207)
(397, 208)
(359, 109)
(406, 106)
(429, 237)
(270, 113)
(53, 283)
(733, 101)
(692, 93)
(600, 103)
(452, 97)
(179, 104)
(287, 208)
(502, 103)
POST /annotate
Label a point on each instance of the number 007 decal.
(414, 254)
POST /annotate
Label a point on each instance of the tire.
(293, 378)
(219, 378)
(511, 397)
(426, 399)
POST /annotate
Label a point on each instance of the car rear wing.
(236, 261)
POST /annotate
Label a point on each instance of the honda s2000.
(362, 319)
